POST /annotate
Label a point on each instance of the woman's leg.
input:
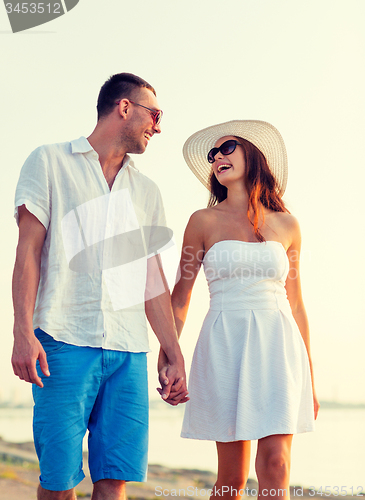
(273, 466)
(233, 468)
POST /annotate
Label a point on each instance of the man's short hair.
(119, 86)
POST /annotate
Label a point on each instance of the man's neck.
(111, 155)
(105, 144)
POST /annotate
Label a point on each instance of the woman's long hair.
(260, 184)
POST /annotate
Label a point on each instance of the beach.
(19, 474)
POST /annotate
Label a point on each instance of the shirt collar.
(82, 145)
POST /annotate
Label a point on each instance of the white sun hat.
(263, 135)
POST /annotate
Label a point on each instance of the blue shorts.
(90, 388)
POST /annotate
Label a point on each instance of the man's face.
(140, 126)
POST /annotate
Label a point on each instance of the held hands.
(26, 351)
(173, 388)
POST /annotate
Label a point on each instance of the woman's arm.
(192, 255)
(294, 293)
(191, 258)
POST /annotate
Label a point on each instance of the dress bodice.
(246, 275)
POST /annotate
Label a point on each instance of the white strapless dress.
(250, 374)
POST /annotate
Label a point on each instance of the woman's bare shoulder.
(200, 224)
(289, 221)
(288, 224)
(203, 216)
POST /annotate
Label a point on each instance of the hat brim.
(262, 134)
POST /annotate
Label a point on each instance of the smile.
(223, 168)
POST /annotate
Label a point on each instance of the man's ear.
(123, 107)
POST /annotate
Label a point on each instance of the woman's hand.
(315, 404)
(177, 393)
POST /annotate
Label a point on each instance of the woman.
(251, 375)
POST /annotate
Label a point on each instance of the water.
(16, 424)
(332, 456)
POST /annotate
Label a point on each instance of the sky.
(297, 65)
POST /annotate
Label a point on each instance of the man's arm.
(159, 314)
(27, 349)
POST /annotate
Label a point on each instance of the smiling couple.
(81, 294)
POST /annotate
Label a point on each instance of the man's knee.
(110, 484)
(109, 488)
(44, 494)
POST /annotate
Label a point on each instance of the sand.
(19, 474)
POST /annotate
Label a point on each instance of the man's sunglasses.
(226, 148)
(156, 115)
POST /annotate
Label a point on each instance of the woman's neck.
(237, 199)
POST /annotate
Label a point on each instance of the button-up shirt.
(94, 257)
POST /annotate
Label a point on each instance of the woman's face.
(229, 168)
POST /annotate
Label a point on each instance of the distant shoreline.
(154, 403)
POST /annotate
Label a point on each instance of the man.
(90, 226)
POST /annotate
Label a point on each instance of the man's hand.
(173, 388)
(26, 351)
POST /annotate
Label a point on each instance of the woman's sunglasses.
(226, 148)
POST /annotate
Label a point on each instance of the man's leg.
(118, 424)
(43, 494)
(61, 414)
(112, 489)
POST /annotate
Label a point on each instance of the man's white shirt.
(94, 258)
